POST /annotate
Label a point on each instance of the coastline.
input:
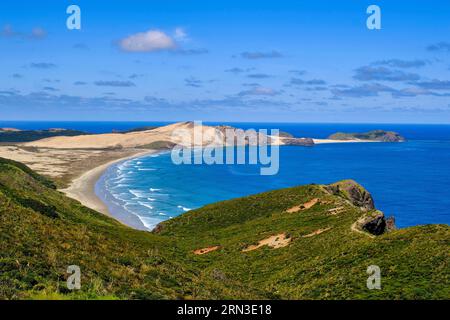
(82, 189)
(78, 162)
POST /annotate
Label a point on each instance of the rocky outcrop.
(353, 192)
(373, 223)
(307, 142)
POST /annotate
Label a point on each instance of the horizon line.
(225, 121)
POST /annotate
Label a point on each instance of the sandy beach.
(82, 189)
(76, 163)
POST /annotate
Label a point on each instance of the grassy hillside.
(320, 252)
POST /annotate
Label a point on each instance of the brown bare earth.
(275, 242)
(315, 233)
(182, 133)
(206, 250)
(336, 211)
(175, 133)
(63, 165)
(303, 206)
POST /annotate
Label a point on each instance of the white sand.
(133, 139)
(83, 188)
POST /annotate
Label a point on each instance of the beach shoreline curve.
(82, 189)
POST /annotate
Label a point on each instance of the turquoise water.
(409, 180)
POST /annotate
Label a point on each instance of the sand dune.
(67, 157)
(134, 139)
(76, 162)
(188, 135)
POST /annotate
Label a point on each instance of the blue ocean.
(409, 180)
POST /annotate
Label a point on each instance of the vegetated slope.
(42, 232)
(328, 252)
(291, 243)
(32, 135)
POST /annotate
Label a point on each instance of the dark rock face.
(375, 225)
(353, 192)
(307, 142)
(361, 198)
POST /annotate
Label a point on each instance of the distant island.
(375, 135)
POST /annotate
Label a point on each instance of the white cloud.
(180, 34)
(259, 91)
(149, 41)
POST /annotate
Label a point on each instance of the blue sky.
(293, 61)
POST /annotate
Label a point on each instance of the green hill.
(307, 242)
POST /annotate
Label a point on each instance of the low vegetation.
(312, 253)
(138, 129)
(15, 136)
